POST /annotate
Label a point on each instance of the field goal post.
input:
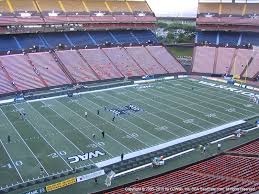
(108, 180)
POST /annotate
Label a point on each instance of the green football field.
(56, 129)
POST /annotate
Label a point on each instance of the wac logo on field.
(86, 156)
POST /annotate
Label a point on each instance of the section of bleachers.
(29, 40)
(7, 42)
(229, 166)
(49, 5)
(166, 59)
(54, 39)
(101, 37)
(139, 6)
(80, 38)
(48, 69)
(4, 8)
(209, 37)
(96, 5)
(118, 6)
(124, 36)
(100, 63)
(232, 8)
(73, 6)
(145, 60)
(145, 36)
(5, 84)
(76, 66)
(252, 8)
(225, 56)
(212, 8)
(204, 58)
(250, 38)
(23, 5)
(242, 58)
(253, 68)
(123, 62)
(251, 148)
(21, 72)
(230, 38)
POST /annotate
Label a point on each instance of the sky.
(181, 8)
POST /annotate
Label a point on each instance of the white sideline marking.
(168, 144)
(12, 161)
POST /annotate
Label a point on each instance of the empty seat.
(23, 5)
(139, 6)
(54, 39)
(232, 8)
(144, 36)
(102, 37)
(118, 6)
(96, 5)
(209, 37)
(73, 6)
(4, 8)
(7, 42)
(208, 8)
(80, 38)
(124, 36)
(49, 5)
(5, 83)
(225, 57)
(230, 38)
(29, 40)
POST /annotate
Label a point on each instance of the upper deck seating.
(145, 60)
(252, 9)
(76, 66)
(139, 6)
(118, 6)
(49, 5)
(120, 58)
(203, 59)
(96, 5)
(24, 5)
(4, 7)
(232, 9)
(206, 8)
(250, 38)
(73, 6)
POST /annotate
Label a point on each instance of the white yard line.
(48, 143)
(98, 127)
(12, 161)
(135, 124)
(210, 99)
(193, 104)
(112, 123)
(57, 130)
(134, 115)
(78, 128)
(25, 142)
(135, 93)
(161, 117)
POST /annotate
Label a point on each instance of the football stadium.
(92, 102)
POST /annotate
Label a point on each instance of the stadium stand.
(139, 6)
(118, 6)
(6, 81)
(23, 6)
(224, 59)
(231, 38)
(253, 68)
(230, 9)
(73, 6)
(208, 8)
(224, 171)
(203, 60)
(209, 37)
(47, 6)
(252, 9)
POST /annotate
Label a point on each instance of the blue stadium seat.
(54, 39)
(124, 36)
(80, 38)
(102, 37)
(230, 38)
(7, 42)
(145, 36)
(210, 37)
(29, 40)
(250, 37)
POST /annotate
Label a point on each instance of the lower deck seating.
(5, 84)
(127, 66)
(203, 60)
(251, 148)
(145, 60)
(76, 66)
(224, 59)
(49, 69)
(22, 73)
(166, 59)
(100, 63)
